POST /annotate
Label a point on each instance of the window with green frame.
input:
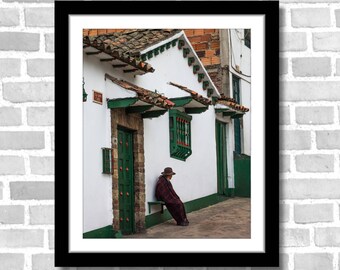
(180, 134)
(237, 122)
(107, 160)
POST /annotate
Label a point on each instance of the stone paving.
(227, 219)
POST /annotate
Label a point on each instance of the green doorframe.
(237, 121)
(126, 181)
(221, 155)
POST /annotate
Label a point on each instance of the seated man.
(166, 193)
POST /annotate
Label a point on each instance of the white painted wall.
(170, 66)
(96, 134)
(195, 178)
(241, 55)
(246, 101)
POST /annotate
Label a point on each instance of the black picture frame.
(269, 258)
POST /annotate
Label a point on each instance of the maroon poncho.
(165, 192)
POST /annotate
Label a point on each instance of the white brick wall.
(309, 137)
(310, 17)
(26, 135)
(313, 261)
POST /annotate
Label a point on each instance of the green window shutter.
(180, 134)
(237, 123)
(107, 160)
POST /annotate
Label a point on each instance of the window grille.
(107, 160)
(180, 134)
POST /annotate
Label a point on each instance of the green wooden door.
(221, 151)
(125, 181)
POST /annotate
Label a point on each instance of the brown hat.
(168, 171)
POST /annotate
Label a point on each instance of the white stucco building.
(148, 104)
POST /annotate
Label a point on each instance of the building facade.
(150, 103)
(226, 55)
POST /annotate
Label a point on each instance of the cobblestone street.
(227, 219)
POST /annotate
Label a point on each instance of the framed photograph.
(181, 158)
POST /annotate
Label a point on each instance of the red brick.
(198, 32)
(215, 60)
(206, 61)
(189, 32)
(200, 46)
(209, 31)
(215, 45)
(200, 54)
(206, 37)
(194, 40)
(210, 53)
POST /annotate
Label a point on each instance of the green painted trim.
(214, 100)
(161, 48)
(229, 113)
(153, 114)
(224, 110)
(143, 57)
(180, 102)
(181, 153)
(196, 68)
(150, 54)
(84, 92)
(121, 102)
(205, 85)
(156, 218)
(180, 44)
(180, 134)
(175, 113)
(168, 45)
(138, 109)
(200, 77)
(221, 158)
(210, 92)
(220, 110)
(84, 96)
(195, 110)
(156, 51)
(191, 60)
(237, 115)
(231, 192)
(105, 232)
(186, 51)
(242, 169)
(174, 42)
(107, 160)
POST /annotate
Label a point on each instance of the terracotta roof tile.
(127, 45)
(131, 42)
(144, 94)
(230, 102)
(194, 94)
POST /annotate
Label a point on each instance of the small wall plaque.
(97, 97)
